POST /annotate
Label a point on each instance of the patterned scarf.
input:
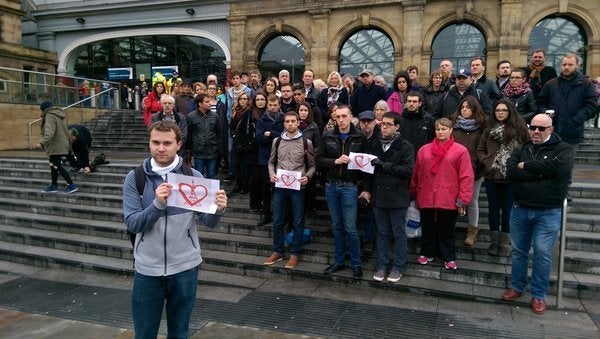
(511, 92)
(387, 141)
(333, 93)
(303, 125)
(439, 150)
(504, 151)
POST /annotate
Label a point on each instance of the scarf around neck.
(162, 171)
(439, 150)
(510, 91)
(468, 125)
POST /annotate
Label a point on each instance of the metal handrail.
(30, 133)
(561, 255)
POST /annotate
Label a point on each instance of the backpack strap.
(304, 143)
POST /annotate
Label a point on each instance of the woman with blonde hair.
(336, 93)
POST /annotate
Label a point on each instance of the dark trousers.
(255, 187)
(56, 168)
(438, 233)
(265, 188)
(241, 170)
(500, 199)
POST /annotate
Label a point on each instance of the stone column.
(237, 26)
(316, 58)
(509, 40)
(412, 35)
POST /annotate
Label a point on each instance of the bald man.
(539, 172)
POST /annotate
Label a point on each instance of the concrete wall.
(16, 118)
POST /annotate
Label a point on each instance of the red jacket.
(453, 181)
(151, 105)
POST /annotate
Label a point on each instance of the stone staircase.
(85, 231)
(119, 130)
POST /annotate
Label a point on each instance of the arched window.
(368, 48)
(458, 43)
(196, 57)
(279, 53)
(558, 36)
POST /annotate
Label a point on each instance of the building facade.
(388, 36)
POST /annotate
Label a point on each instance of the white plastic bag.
(413, 221)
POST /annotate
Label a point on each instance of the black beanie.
(45, 105)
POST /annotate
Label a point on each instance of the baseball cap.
(365, 71)
(366, 115)
(464, 73)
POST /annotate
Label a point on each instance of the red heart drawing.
(188, 192)
(361, 161)
(288, 180)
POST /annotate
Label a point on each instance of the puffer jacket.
(453, 182)
(544, 180)
(332, 146)
(55, 135)
(526, 105)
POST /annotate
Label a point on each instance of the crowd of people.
(434, 143)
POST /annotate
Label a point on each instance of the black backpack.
(140, 183)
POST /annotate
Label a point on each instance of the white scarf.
(162, 171)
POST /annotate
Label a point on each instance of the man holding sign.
(342, 187)
(166, 250)
(291, 166)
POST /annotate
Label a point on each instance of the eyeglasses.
(387, 124)
(539, 128)
(516, 78)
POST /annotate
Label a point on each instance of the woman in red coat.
(152, 101)
(442, 183)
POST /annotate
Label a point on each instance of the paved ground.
(49, 303)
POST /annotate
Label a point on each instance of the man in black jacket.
(417, 126)
(342, 187)
(388, 192)
(539, 172)
(464, 86)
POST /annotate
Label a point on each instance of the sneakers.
(379, 275)
(273, 259)
(50, 189)
(394, 276)
(72, 188)
(293, 262)
(423, 260)
(450, 265)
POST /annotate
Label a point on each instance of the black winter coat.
(389, 184)
(544, 180)
(417, 128)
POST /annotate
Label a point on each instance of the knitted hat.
(45, 105)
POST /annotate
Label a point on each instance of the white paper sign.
(193, 193)
(288, 179)
(361, 162)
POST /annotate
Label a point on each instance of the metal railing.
(561, 255)
(31, 123)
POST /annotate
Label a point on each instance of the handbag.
(413, 221)
(306, 237)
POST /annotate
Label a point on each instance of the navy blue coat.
(573, 101)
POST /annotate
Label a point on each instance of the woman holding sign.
(442, 183)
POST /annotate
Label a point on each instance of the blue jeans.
(391, 225)
(283, 199)
(500, 198)
(369, 226)
(540, 227)
(343, 202)
(148, 297)
(208, 167)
